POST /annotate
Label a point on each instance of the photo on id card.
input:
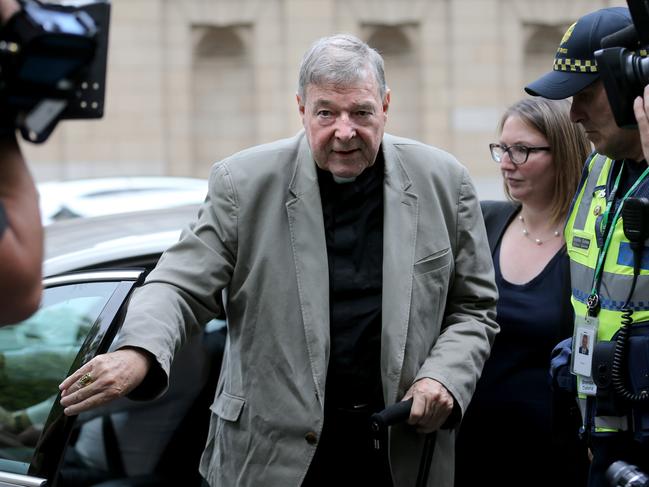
(583, 342)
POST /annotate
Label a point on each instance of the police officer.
(601, 262)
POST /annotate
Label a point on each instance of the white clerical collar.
(340, 180)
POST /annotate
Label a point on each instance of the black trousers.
(345, 455)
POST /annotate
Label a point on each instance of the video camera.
(53, 65)
(623, 64)
(622, 474)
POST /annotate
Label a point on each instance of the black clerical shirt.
(353, 220)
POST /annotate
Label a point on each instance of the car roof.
(100, 196)
(105, 241)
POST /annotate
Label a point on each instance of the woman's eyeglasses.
(518, 154)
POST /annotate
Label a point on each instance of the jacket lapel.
(304, 210)
(400, 215)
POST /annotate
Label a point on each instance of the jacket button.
(311, 438)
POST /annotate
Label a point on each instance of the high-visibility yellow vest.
(617, 274)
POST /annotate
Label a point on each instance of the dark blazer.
(497, 215)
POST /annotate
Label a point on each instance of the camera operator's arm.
(21, 236)
(21, 233)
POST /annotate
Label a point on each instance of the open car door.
(79, 317)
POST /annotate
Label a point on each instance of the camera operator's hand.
(432, 404)
(641, 109)
(7, 9)
(21, 236)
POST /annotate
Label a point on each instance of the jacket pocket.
(432, 262)
(228, 407)
(225, 409)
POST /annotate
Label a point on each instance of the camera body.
(625, 75)
(623, 64)
(53, 65)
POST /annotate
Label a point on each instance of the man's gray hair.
(340, 60)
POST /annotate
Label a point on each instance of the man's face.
(591, 109)
(344, 125)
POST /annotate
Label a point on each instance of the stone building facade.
(191, 81)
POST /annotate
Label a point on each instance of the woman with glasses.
(541, 155)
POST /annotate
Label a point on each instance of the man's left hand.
(432, 404)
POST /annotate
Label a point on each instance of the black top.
(353, 220)
(517, 370)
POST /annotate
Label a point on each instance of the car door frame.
(50, 449)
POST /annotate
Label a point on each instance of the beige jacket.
(260, 237)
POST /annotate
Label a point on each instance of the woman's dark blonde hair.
(568, 145)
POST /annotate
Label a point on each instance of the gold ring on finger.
(86, 379)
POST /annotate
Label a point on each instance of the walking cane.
(398, 413)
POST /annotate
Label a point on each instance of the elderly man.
(356, 273)
(606, 296)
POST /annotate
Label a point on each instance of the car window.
(35, 356)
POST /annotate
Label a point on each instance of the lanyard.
(593, 299)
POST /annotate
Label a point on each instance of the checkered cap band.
(583, 65)
(575, 65)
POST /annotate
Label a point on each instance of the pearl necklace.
(537, 241)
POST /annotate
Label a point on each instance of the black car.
(92, 266)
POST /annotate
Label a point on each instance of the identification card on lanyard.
(583, 343)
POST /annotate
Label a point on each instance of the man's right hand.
(104, 378)
(432, 404)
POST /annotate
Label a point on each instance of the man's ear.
(300, 105)
(386, 100)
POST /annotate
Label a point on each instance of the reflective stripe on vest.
(597, 163)
(614, 289)
(604, 423)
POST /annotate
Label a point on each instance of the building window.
(222, 94)
(398, 46)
